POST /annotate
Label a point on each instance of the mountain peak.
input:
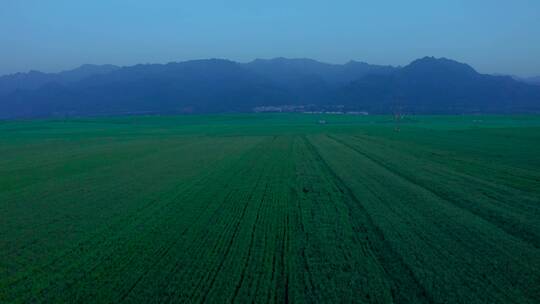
(432, 66)
(90, 69)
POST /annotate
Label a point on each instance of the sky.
(495, 36)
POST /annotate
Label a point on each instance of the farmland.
(271, 208)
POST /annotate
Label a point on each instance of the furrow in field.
(223, 240)
(131, 256)
(225, 255)
(404, 286)
(302, 277)
(160, 256)
(199, 227)
(126, 235)
(497, 169)
(454, 254)
(209, 202)
(284, 269)
(516, 214)
(497, 176)
(269, 166)
(250, 247)
(153, 283)
(201, 264)
(328, 262)
(71, 196)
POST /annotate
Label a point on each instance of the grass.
(271, 208)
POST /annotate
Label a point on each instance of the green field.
(271, 208)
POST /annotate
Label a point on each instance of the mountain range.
(427, 85)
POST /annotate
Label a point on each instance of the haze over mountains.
(531, 80)
(427, 85)
(36, 79)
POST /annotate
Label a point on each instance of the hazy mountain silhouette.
(291, 71)
(308, 81)
(427, 85)
(35, 79)
(431, 85)
(193, 86)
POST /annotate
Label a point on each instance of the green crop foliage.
(270, 208)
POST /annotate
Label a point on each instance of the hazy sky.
(494, 36)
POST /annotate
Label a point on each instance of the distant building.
(280, 109)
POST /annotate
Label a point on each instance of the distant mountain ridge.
(36, 79)
(426, 85)
(431, 85)
(282, 70)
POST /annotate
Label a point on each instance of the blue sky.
(493, 36)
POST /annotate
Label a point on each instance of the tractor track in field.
(94, 238)
(137, 213)
(493, 185)
(303, 258)
(183, 233)
(195, 248)
(98, 236)
(440, 195)
(468, 272)
(251, 242)
(178, 265)
(383, 251)
(177, 268)
(160, 257)
(166, 250)
(235, 232)
(284, 273)
(163, 253)
(509, 169)
(230, 243)
(310, 285)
